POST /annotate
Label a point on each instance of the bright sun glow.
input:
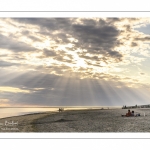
(12, 89)
(81, 63)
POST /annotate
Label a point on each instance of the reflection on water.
(9, 112)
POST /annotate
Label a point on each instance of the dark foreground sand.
(93, 120)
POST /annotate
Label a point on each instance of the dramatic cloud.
(74, 61)
(7, 64)
(13, 45)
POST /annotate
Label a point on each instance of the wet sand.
(94, 120)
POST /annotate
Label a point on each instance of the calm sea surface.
(8, 112)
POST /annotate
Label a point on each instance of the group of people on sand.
(130, 114)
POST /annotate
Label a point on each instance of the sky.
(74, 62)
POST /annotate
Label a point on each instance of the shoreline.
(56, 111)
(34, 113)
(17, 111)
(84, 120)
(21, 123)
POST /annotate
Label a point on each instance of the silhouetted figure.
(61, 109)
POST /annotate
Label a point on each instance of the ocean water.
(9, 112)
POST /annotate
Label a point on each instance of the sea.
(9, 112)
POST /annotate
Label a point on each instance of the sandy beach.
(94, 120)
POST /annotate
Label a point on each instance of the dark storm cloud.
(90, 58)
(133, 44)
(96, 37)
(28, 35)
(127, 28)
(57, 67)
(117, 20)
(14, 45)
(62, 36)
(90, 22)
(136, 40)
(61, 59)
(114, 54)
(7, 64)
(146, 38)
(100, 39)
(51, 24)
(34, 38)
(113, 20)
(57, 55)
(48, 53)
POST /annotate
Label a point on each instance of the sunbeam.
(74, 61)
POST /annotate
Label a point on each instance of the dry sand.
(93, 120)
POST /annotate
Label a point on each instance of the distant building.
(136, 106)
